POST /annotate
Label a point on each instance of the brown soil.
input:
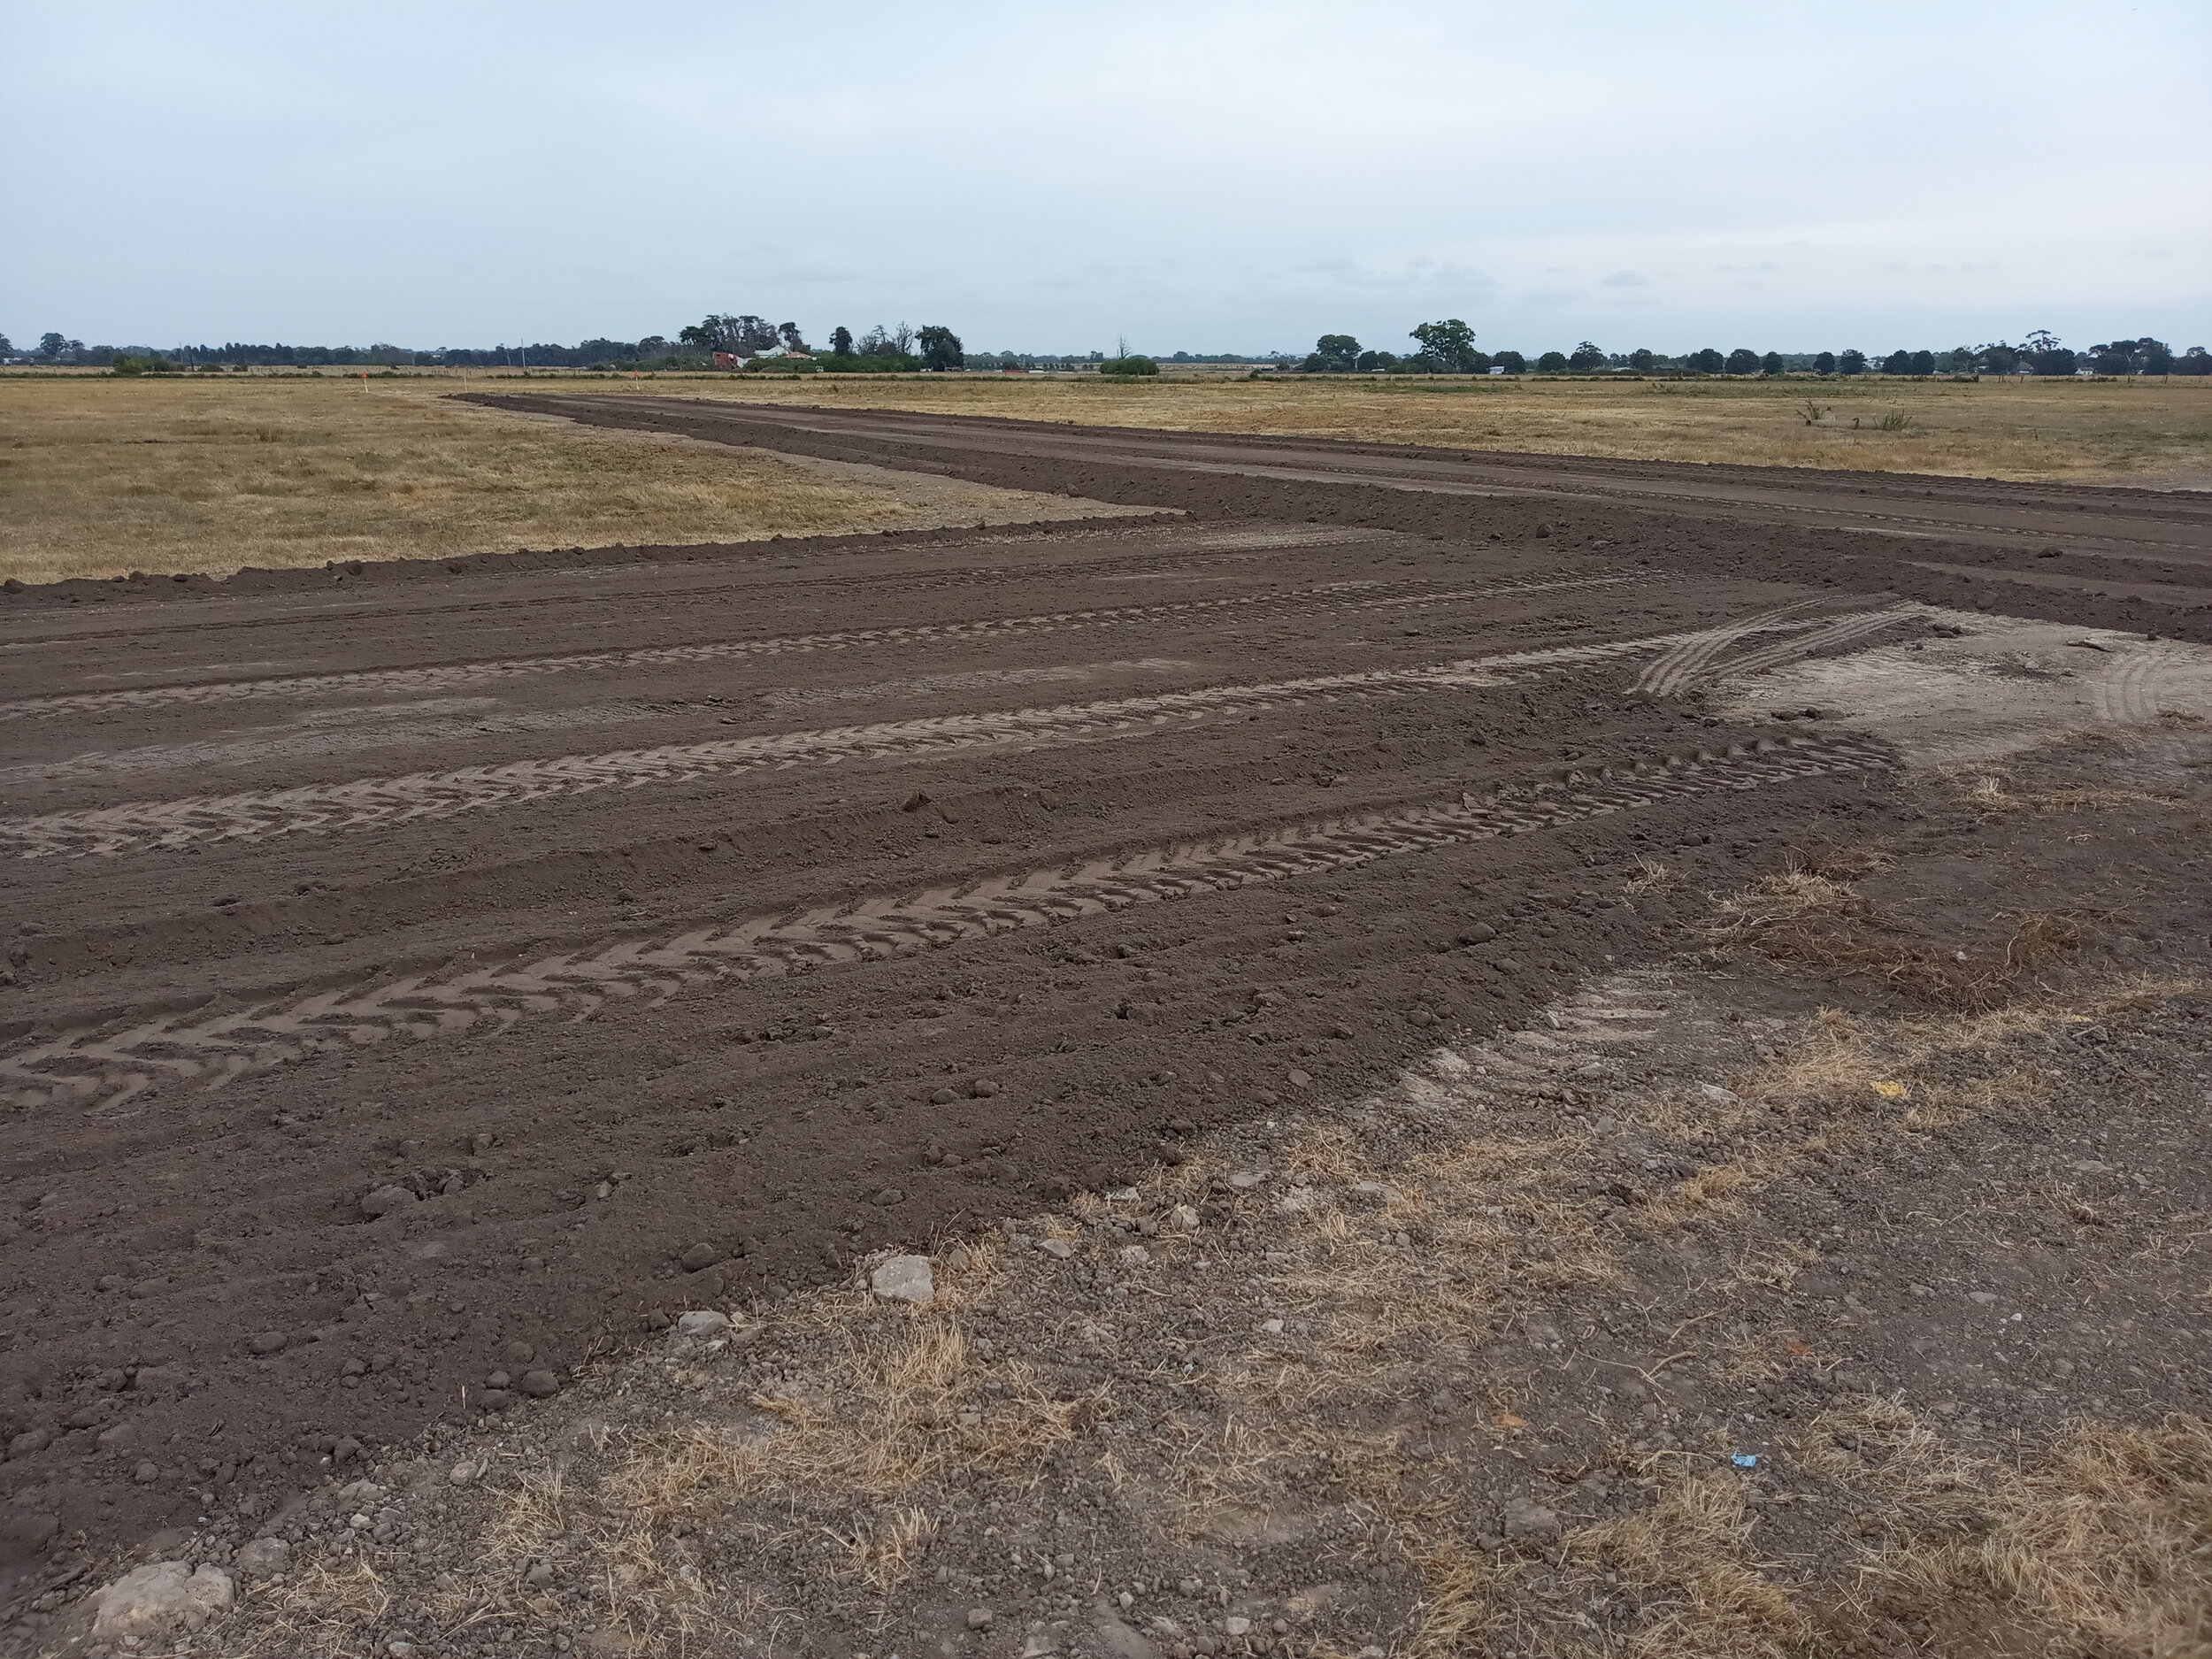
(420, 974)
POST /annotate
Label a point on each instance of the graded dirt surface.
(425, 980)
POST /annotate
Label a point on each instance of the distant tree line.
(1445, 346)
(1448, 348)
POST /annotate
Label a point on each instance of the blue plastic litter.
(1746, 1460)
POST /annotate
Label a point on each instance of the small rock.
(697, 1257)
(1525, 1518)
(1982, 1298)
(384, 1199)
(983, 1089)
(914, 803)
(979, 1618)
(400, 1649)
(1421, 1017)
(1480, 933)
(904, 1279)
(1236, 1626)
(1183, 1218)
(1060, 1249)
(160, 1598)
(540, 1385)
(1134, 1255)
(146, 1473)
(461, 1474)
(494, 1400)
(1718, 1096)
(702, 1323)
(30, 1440)
(1273, 1327)
(266, 1341)
(1299, 1079)
(262, 1557)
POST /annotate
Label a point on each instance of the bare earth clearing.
(1490, 1055)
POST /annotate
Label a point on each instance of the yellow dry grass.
(100, 477)
(2144, 432)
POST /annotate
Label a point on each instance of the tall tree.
(2045, 355)
(941, 348)
(1853, 361)
(1446, 347)
(1742, 360)
(1552, 363)
(1824, 363)
(745, 335)
(1512, 362)
(788, 333)
(52, 345)
(1708, 361)
(1332, 354)
(1642, 358)
(1998, 358)
(841, 340)
(1585, 356)
(1771, 364)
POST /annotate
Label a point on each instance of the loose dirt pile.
(427, 984)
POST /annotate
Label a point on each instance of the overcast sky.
(1788, 174)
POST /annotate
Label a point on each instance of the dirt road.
(420, 980)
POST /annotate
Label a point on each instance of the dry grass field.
(100, 476)
(2150, 432)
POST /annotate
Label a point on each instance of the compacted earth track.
(420, 979)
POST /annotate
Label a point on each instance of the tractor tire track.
(384, 803)
(103, 1068)
(447, 677)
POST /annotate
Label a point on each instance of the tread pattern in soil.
(104, 1068)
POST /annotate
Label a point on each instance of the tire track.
(102, 1068)
(383, 803)
(412, 681)
(1841, 631)
(1672, 673)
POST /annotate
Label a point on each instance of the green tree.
(746, 337)
(51, 345)
(1642, 358)
(1708, 361)
(1371, 361)
(1448, 347)
(1129, 365)
(2045, 355)
(1552, 363)
(1585, 356)
(1998, 358)
(1742, 360)
(1771, 364)
(1512, 362)
(1332, 354)
(842, 341)
(788, 333)
(1852, 362)
(7, 347)
(941, 348)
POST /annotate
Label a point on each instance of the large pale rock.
(904, 1279)
(155, 1600)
